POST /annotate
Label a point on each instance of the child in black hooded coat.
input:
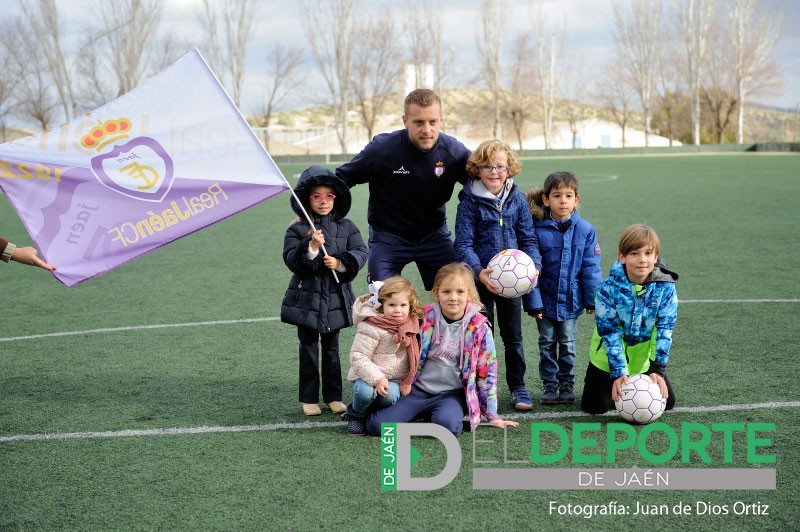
(315, 302)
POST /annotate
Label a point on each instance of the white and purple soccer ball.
(641, 401)
(513, 273)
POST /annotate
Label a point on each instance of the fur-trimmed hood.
(315, 176)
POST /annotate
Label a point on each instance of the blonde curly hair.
(484, 155)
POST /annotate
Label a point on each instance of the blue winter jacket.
(571, 273)
(635, 322)
(486, 225)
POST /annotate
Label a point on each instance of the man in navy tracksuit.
(411, 174)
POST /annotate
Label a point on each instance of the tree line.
(685, 69)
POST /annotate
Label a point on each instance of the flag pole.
(259, 143)
(309, 220)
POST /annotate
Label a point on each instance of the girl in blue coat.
(493, 215)
(315, 301)
(568, 283)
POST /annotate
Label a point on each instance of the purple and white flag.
(168, 158)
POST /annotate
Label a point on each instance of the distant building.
(416, 77)
(595, 133)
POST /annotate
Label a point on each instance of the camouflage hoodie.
(635, 322)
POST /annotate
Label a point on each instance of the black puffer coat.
(314, 299)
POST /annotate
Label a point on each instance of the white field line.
(327, 424)
(275, 318)
(138, 328)
(602, 178)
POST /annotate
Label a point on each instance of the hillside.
(468, 116)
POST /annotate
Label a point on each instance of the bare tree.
(549, 52)
(33, 101)
(490, 44)
(426, 46)
(36, 101)
(613, 91)
(167, 49)
(283, 63)
(42, 19)
(667, 88)
(229, 27)
(754, 37)
(574, 109)
(693, 19)
(718, 94)
(329, 26)
(519, 100)
(11, 77)
(123, 50)
(638, 39)
(93, 85)
(420, 50)
(127, 39)
(376, 57)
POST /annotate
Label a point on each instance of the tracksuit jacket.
(408, 188)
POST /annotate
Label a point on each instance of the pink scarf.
(403, 332)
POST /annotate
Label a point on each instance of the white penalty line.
(275, 318)
(328, 424)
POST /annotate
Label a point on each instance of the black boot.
(356, 423)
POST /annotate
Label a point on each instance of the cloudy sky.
(587, 29)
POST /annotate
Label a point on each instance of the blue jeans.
(445, 409)
(364, 396)
(557, 350)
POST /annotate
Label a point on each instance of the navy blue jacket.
(408, 188)
(485, 226)
(571, 273)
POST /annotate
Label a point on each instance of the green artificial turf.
(728, 224)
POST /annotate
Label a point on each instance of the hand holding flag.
(169, 158)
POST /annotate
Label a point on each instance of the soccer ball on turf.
(641, 401)
(513, 273)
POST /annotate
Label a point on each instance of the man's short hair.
(423, 98)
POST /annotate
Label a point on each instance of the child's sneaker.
(548, 397)
(565, 393)
(520, 399)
